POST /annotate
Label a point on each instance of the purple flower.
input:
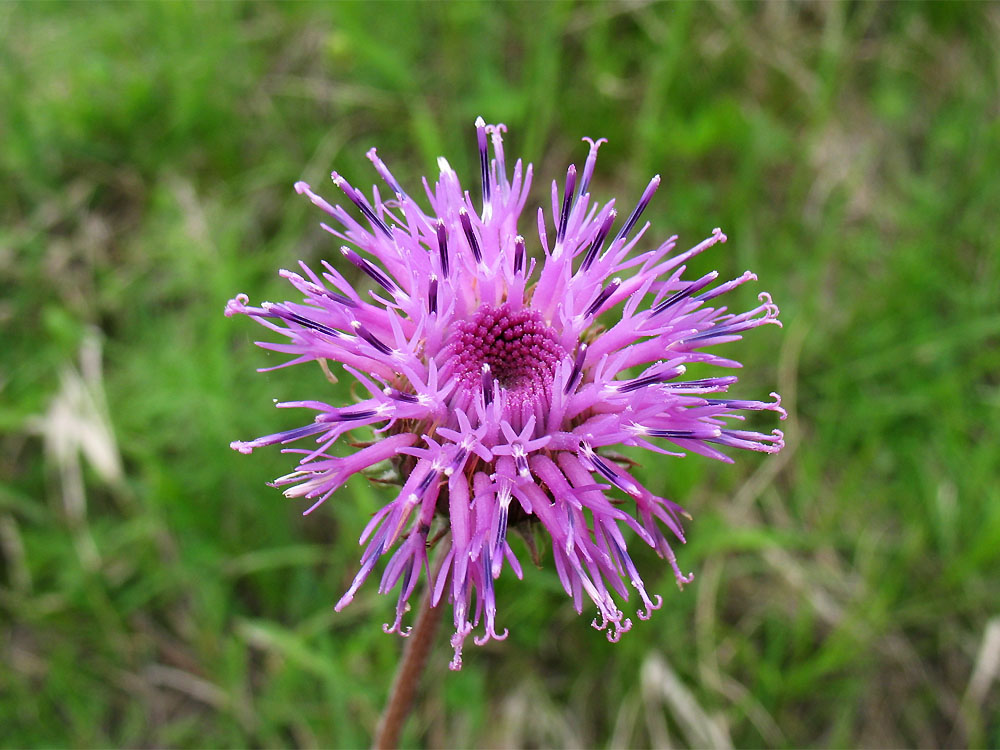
(495, 389)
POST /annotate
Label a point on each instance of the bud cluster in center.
(520, 350)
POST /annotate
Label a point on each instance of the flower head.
(497, 389)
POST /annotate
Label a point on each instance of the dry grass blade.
(77, 425)
(662, 687)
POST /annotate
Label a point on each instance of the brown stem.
(418, 645)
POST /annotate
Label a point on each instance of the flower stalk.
(408, 673)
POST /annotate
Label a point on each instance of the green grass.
(844, 588)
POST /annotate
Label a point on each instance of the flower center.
(521, 350)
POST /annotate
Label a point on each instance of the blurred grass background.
(153, 590)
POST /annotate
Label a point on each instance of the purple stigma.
(370, 338)
(484, 161)
(442, 237)
(487, 383)
(691, 288)
(598, 243)
(518, 255)
(432, 295)
(358, 200)
(574, 375)
(376, 275)
(647, 195)
(278, 311)
(567, 202)
(603, 297)
(470, 234)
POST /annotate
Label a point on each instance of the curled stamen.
(588, 167)
(619, 628)
(457, 641)
(237, 305)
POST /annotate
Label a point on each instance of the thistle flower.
(495, 390)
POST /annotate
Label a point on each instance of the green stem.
(418, 646)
